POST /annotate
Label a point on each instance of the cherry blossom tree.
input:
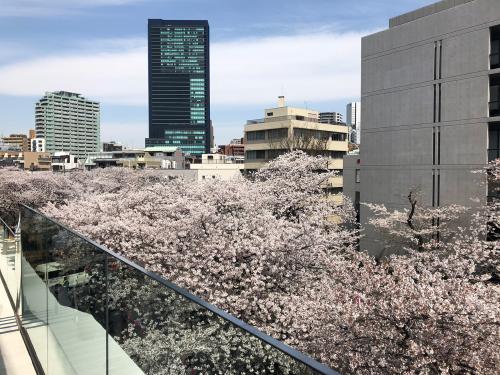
(266, 250)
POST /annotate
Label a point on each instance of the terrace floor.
(14, 357)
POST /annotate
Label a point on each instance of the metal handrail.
(8, 227)
(294, 354)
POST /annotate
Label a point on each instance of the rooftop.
(426, 11)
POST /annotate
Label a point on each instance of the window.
(277, 133)
(270, 113)
(339, 137)
(256, 136)
(253, 155)
(494, 141)
(358, 177)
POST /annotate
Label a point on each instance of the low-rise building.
(35, 161)
(64, 161)
(216, 166)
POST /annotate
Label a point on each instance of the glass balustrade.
(87, 310)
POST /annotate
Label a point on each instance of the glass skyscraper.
(179, 85)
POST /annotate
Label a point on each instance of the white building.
(216, 166)
(353, 120)
(38, 145)
(64, 161)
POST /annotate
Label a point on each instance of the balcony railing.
(85, 309)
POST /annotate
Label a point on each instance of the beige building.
(36, 161)
(17, 141)
(285, 129)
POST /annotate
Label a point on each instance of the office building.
(353, 121)
(179, 85)
(68, 122)
(430, 108)
(284, 129)
(330, 118)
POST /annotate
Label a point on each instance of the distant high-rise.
(179, 85)
(68, 122)
(353, 120)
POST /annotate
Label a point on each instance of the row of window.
(281, 133)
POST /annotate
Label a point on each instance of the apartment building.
(430, 108)
(68, 122)
(17, 141)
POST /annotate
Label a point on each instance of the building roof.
(161, 149)
(425, 11)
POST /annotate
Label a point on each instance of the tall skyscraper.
(353, 120)
(68, 122)
(179, 85)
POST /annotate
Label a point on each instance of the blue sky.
(308, 50)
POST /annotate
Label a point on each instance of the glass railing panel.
(164, 332)
(90, 311)
(71, 272)
(10, 261)
(33, 308)
(76, 279)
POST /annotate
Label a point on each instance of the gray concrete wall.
(398, 107)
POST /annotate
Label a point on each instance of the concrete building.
(353, 121)
(284, 129)
(430, 107)
(179, 85)
(331, 118)
(352, 181)
(17, 141)
(68, 122)
(35, 161)
(158, 157)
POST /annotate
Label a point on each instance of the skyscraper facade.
(68, 122)
(179, 85)
(353, 120)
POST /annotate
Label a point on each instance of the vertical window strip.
(439, 102)
(435, 60)
(438, 190)
(433, 145)
(440, 59)
(434, 104)
(433, 188)
(439, 145)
